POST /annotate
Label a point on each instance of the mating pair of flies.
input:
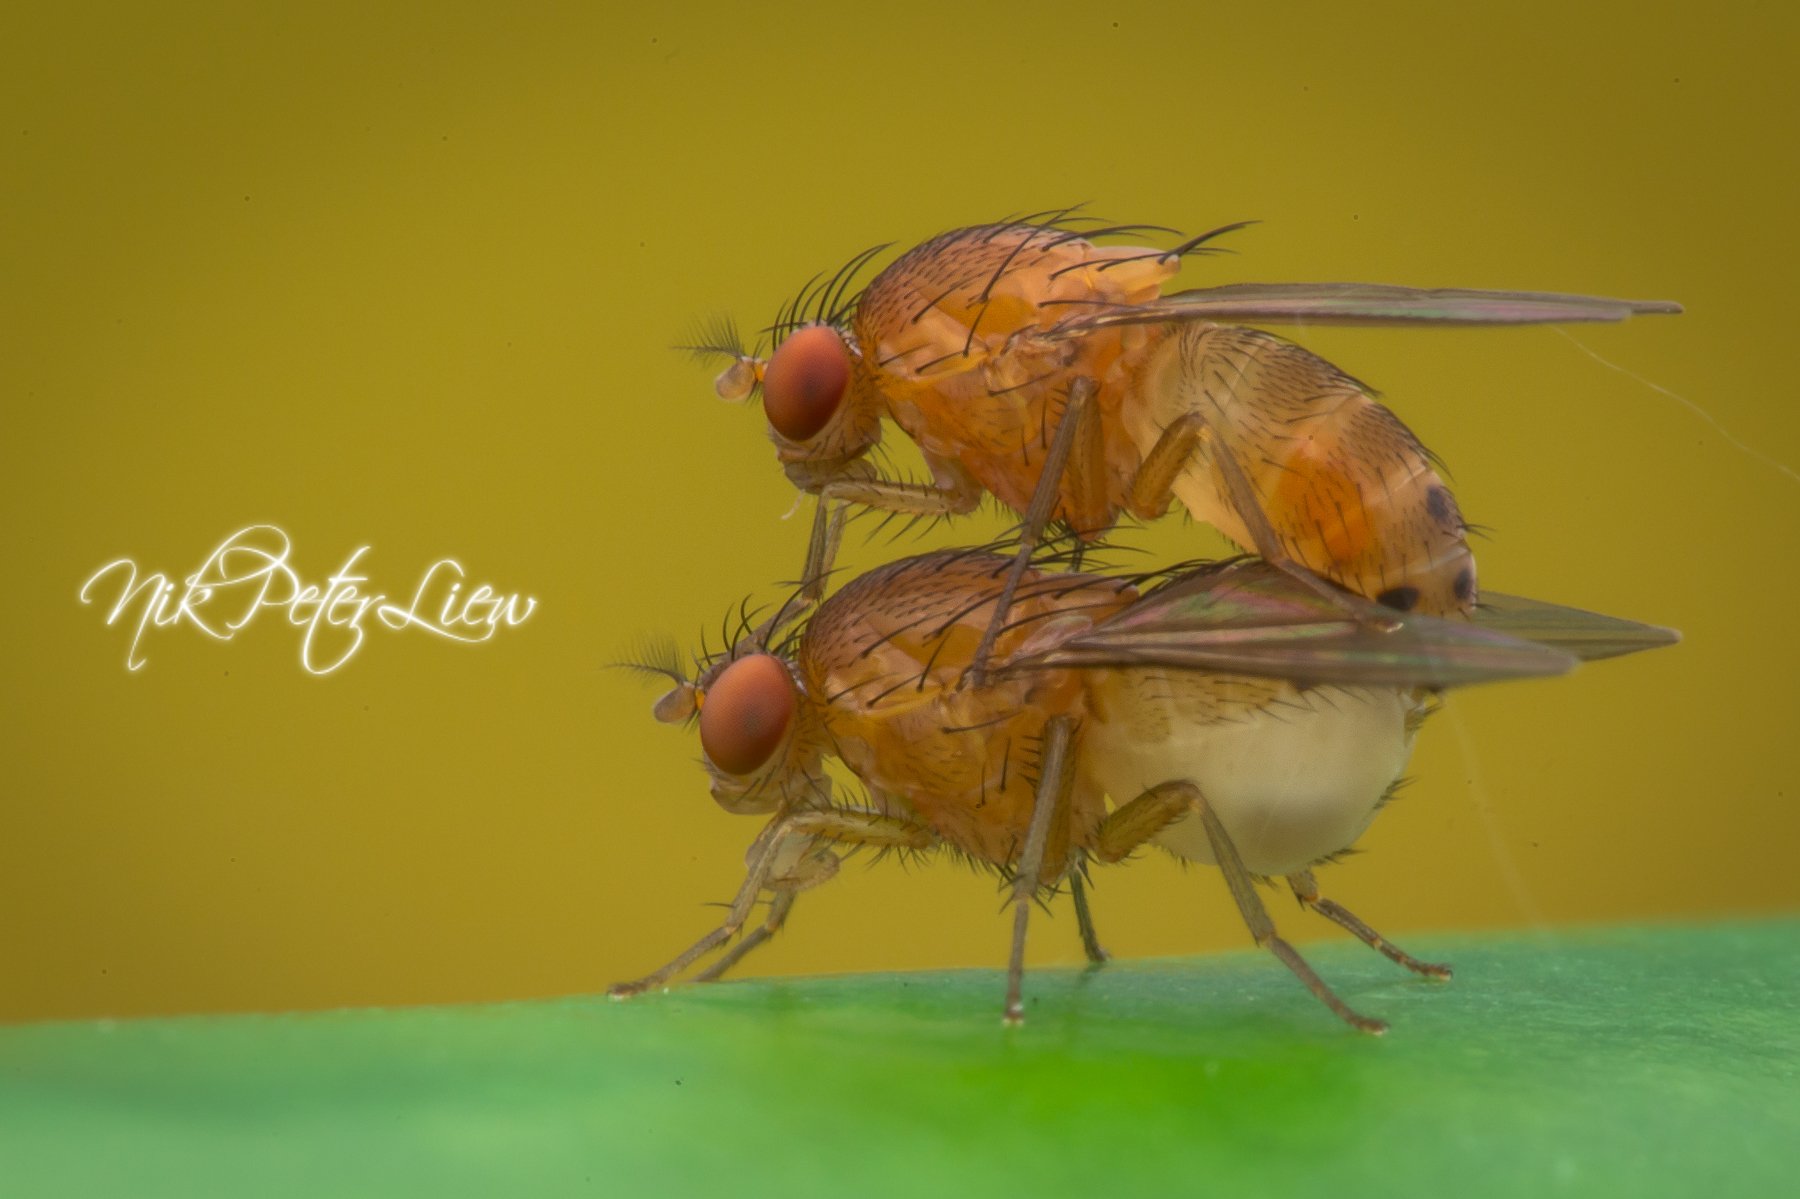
(1253, 714)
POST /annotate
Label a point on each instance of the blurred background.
(408, 279)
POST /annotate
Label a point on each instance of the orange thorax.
(883, 658)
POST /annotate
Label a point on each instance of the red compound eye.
(746, 714)
(805, 380)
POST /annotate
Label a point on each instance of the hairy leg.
(1053, 787)
(836, 826)
(1306, 890)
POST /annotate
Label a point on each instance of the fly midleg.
(1054, 778)
(1090, 939)
(1078, 430)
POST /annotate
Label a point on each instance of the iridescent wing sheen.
(1247, 617)
(1587, 635)
(1363, 304)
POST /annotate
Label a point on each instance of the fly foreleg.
(833, 826)
(1307, 892)
(954, 493)
(821, 552)
(779, 907)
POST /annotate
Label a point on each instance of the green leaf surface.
(1636, 1062)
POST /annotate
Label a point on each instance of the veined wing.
(1363, 304)
(1247, 617)
(1587, 635)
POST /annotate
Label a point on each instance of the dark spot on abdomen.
(1465, 585)
(1401, 599)
(1442, 505)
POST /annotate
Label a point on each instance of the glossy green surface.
(1636, 1062)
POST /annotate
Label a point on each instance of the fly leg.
(1153, 490)
(953, 493)
(779, 907)
(1134, 823)
(821, 552)
(1090, 940)
(734, 920)
(1243, 889)
(818, 866)
(1078, 430)
(1053, 787)
(842, 827)
(1307, 892)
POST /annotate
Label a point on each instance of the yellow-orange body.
(1296, 772)
(971, 342)
(880, 664)
(1232, 715)
(953, 346)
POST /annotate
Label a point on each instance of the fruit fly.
(1030, 362)
(1232, 714)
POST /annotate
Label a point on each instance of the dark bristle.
(1195, 244)
(825, 299)
(1115, 231)
(791, 315)
(836, 303)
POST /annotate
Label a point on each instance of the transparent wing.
(1247, 617)
(1364, 304)
(1587, 635)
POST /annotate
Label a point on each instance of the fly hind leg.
(1134, 823)
(1243, 889)
(1307, 892)
(1153, 490)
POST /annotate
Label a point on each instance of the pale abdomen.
(1294, 776)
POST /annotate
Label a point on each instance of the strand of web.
(1730, 438)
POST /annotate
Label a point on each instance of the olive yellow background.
(406, 277)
